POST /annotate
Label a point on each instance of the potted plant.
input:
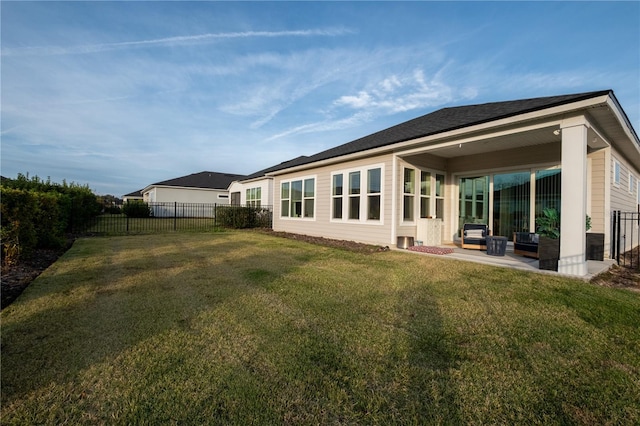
(548, 228)
(595, 243)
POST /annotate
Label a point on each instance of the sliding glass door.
(511, 203)
(507, 201)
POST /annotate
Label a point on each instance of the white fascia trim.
(399, 146)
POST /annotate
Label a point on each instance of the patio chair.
(474, 236)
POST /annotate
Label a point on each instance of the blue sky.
(119, 95)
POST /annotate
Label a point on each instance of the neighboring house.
(203, 187)
(132, 196)
(497, 163)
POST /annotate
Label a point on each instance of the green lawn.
(247, 328)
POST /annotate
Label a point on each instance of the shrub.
(19, 237)
(238, 217)
(136, 208)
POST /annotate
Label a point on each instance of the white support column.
(574, 198)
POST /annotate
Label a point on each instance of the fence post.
(619, 237)
(175, 215)
(215, 215)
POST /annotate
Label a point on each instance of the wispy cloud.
(390, 95)
(171, 41)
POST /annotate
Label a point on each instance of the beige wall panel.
(598, 212)
(322, 225)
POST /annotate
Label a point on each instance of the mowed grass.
(246, 328)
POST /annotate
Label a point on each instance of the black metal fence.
(625, 238)
(173, 217)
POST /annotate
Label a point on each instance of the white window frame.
(417, 193)
(631, 183)
(405, 194)
(254, 196)
(363, 195)
(303, 212)
(617, 172)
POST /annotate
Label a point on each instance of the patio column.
(574, 197)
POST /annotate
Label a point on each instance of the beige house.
(498, 163)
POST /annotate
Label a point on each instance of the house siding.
(597, 209)
(188, 195)
(621, 198)
(322, 225)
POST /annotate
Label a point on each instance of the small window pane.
(425, 207)
(439, 185)
(308, 207)
(408, 207)
(337, 184)
(337, 208)
(425, 183)
(409, 181)
(285, 190)
(354, 183)
(373, 212)
(284, 208)
(354, 207)
(308, 187)
(373, 181)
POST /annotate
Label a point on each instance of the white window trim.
(631, 183)
(364, 176)
(315, 198)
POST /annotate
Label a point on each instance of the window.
(254, 197)
(616, 173)
(474, 200)
(354, 195)
(309, 197)
(284, 199)
(336, 195)
(425, 194)
(297, 198)
(632, 183)
(373, 193)
(409, 193)
(439, 196)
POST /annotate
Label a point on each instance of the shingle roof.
(439, 121)
(134, 194)
(210, 180)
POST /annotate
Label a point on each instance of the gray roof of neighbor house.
(440, 121)
(134, 194)
(209, 180)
